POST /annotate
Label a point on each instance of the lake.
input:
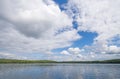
(59, 71)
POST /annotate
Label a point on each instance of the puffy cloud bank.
(28, 26)
(34, 25)
(99, 16)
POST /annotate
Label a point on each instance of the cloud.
(99, 16)
(12, 40)
(65, 52)
(28, 26)
(71, 51)
(113, 49)
(74, 50)
(93, 52)
(101, 48)
(80, 56)
(11, 56)
(33, 26)
(34, 19)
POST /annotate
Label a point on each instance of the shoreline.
(14, 61)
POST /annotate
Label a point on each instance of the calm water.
(59, 71)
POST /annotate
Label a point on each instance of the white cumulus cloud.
(34, 26)
(99, 16)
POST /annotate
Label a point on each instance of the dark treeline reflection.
(59, 71)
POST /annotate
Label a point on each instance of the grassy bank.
(49, 61)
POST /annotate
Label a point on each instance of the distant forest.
(50, 61)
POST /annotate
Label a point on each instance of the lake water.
(60, 71)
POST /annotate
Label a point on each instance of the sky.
(61, 30)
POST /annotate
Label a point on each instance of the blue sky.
(60, 29)
(87, 39)
(61, 2)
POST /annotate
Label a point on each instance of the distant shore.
(7, 61)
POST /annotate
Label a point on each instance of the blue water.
(60, 71)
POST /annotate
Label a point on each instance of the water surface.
(60, 71)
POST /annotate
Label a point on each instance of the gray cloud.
(31, 25)
(35, 18)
